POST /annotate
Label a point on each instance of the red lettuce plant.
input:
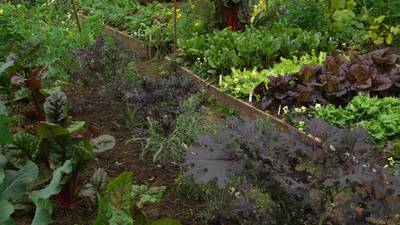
(337, 81)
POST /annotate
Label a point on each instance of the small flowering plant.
(291, 115)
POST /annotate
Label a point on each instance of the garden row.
(248, 171)
(278, 66)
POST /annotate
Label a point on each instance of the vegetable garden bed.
(260, 168)
(240, 106)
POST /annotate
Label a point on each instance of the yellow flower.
(285, 109)
(193, 6)
(178, 15)
(391, 161)
(169, 13)
(1, 12)
(318, 106)
(197, 24)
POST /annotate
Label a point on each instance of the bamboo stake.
(175, 26)
(78, 23)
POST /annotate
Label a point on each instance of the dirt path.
(97, 108)
(108, 115)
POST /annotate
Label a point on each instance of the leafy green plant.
(55, 142)
(240, 83)
(16, 187)
(379, 116)
(222, 50)
(5, 136)
(121, 203)
(380, 32)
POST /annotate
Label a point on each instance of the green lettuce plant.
(240, 82)
(379, 116)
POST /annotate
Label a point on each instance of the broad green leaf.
(82, 150)
(166, 221)
(102, 210)
(76, 126)
(120, 216)
(339, 4)
(6, 209)
(41, 198)
(103, 143)
(23, 147)
(143, 194)
(50, 130)
(119, 191)
(5, 66)
(3, 162)
(15, 183)
(380, 19)
(3, 109)
(5, 136)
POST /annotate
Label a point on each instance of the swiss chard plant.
(20, 187)
(311, 181)
(121, 202)
(56, 141)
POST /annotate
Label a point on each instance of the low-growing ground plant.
(308, 182)
(188, 124)
(121, 202)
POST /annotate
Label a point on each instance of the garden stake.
(174, 26)
(78, 23)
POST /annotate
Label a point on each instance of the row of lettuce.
(44, 152)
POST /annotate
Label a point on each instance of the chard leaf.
(6, 209)
(41, 198)
(55, 107)
(23, 148)
(103, 143)
(76, 126)
(15, 183)
(50, 130)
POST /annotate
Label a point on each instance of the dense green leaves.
(13, 186)
(121, 202)
(222, 50)
(5, 136)
(380, 117)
